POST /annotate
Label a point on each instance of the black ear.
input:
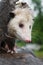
(23, 4)
(12, 15)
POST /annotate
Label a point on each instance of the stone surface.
(19, 59)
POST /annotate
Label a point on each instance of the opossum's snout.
(28, 41)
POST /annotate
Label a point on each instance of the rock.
(19, 59)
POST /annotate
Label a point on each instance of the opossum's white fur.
(24, 16)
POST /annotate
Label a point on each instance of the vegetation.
(20, 43)
(39, 54)
(37, 33)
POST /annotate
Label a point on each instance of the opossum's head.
(21, 24)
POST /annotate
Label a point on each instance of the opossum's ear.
(12, 15)
(23, 3)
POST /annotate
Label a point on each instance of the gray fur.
(5, 8)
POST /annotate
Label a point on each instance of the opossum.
(19, 26)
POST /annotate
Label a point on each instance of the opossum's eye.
(21, 25)
(12, 15)
(30, 27)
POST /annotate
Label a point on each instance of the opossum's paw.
(8, 51)
(12, 51)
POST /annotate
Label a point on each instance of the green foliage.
(37, 32)
(39, 54)
(20, 43)
(37, 4)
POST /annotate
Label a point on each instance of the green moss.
(39, 54)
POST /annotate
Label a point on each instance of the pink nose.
(28, 41)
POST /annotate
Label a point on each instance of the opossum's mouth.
(20, 38)
(9, 36)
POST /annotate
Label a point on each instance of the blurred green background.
(37, 31)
